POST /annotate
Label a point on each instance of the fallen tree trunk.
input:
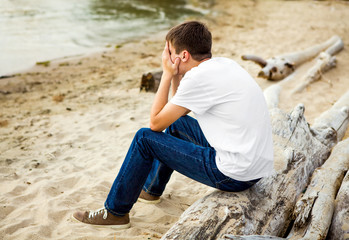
(279, 67)
(315, 209)
(324, 62)
(267, 207)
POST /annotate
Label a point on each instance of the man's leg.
(128, 183)
(171, 153)
(185, 128)
(186, 157)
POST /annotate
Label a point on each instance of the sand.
(65, 128)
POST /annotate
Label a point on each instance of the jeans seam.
(121, 178)
(126, 167)
(157, 172)
(152, 183)
(166, 146)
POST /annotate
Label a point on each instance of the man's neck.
(195, 63)
(204, 60)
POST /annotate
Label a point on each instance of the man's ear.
(185, 56)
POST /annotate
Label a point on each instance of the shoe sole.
(116, 227)
(149, 201)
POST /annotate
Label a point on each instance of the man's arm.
(174, 86)
(163, 113)
(175, 83)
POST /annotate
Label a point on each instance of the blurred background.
(40, 30)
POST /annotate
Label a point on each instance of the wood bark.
(279, 67)
(250, 237)
(335, 119)
(315, 208)
(267, 207)
(339, 229)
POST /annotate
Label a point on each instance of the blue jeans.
(153, 156)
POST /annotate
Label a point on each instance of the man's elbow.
(155, 127)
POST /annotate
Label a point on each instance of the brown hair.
(192, 36)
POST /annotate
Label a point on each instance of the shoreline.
(65, 128)
(53, 33)
(46, 65)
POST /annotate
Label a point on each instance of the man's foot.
(103, 218)
(145, 197)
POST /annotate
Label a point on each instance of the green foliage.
(45, 63)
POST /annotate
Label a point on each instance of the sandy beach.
(65, 128)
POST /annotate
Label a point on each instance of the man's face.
(174, 55)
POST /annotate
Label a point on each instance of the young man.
(228, 146)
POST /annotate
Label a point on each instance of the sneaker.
(145, 197)
(103, 218)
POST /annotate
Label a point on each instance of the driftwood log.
(324, 62)
(316, 207)
(267, 208)
(314, 210)
(150, 81)
(339, 229)
(279, 67)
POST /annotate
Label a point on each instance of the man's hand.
(169, 67)
(163, 113)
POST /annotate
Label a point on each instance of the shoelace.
(97, 212)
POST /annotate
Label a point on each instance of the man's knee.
(142, 132)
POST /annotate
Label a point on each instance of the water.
(39, 30)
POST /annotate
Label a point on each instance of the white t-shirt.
(233, 115)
